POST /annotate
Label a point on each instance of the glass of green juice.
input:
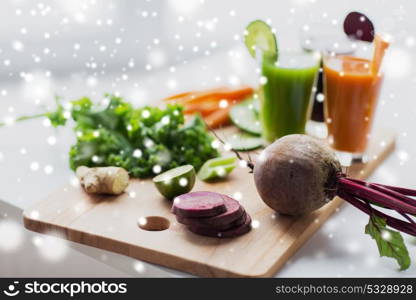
(286, 93)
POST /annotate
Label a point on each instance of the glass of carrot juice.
(351, 93)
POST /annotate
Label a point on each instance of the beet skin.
(296, 174)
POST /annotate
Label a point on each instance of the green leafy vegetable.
(390, 243)
(144, 141)
(57, 117)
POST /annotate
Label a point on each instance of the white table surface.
(339, 248)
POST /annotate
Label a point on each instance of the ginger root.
(103, 180)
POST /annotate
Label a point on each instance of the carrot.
(380, 47)
(217, 93)
(189, 96)
(207, 103)
(218, 118)
(205, 108)
(181, 95)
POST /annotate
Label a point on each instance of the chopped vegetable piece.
(218, 118)
(359, 27)
(260, 37)
(233, 216)
(227, 218)
(230, 233)
(245, 116)
(217, 168)
(204, 108)
(175, 182)
(245, 142)
(218, 226)
(199, 204)
(380, 46)
(103, 180)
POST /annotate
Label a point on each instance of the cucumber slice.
(256, 106)
(175, 182)
(245, 142)
(260, 36)
(217, 168)
(245, 116)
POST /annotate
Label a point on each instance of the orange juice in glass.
(351, 92)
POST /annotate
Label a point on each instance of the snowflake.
(183, 182)
(157, 169)
(255, 224)
(34, 166)
(48, 169)
(11, 236)
(51, 140)
(137, 153)
(139, 267)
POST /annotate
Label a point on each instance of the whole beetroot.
(296, 174)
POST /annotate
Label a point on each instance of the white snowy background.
(148, 49)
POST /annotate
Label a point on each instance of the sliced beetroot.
(198, 204)
(219, 226)
(358, 26)
(232, 232)
(234, 212)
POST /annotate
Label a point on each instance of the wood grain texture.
(110, 223)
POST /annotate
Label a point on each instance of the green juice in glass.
(286, 93)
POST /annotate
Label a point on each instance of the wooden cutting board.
(111, 223)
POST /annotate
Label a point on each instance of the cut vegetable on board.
(103, 180)
(226, 219)
(198, 205)
(217, 168)
(233, 216)
(175, 182)
(245, 142)
(245, 116)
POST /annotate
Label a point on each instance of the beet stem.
(403, 191)
(407, 218)
(398, 224)
(385, 189)
(367, 192)
(393, 193)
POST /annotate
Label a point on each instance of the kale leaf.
(144, 141)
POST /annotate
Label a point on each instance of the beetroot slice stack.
(211, 214)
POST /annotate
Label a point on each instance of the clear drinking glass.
(351, 94)
(286, 93)
(322, 39)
